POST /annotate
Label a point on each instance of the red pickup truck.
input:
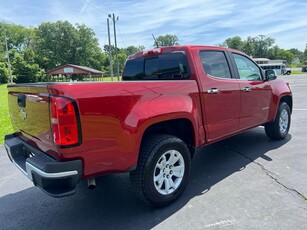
(171, 101)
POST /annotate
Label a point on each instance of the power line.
(105, 39)
(95, 7)
(121, 37)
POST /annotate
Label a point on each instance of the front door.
(255, 92)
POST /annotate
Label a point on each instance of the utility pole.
(110, 48)
(8, 58)
(116, 52)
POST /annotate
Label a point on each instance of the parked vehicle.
(287, 71)
(279, 68)
(172, 100)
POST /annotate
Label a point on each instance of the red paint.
(114, 116)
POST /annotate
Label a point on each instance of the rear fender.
(151, 112)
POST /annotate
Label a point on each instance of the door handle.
(213, 91)
(247, 89)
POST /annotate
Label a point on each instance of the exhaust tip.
(91, 183)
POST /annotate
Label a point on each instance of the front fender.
(280, 89)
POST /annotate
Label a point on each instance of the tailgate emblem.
(23, 114)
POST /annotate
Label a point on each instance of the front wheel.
(278, 129)
(163, 170)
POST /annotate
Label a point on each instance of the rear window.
(170, 66)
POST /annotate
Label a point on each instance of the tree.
(262, 44)
(20, 45)
(166, 40)
(60, 43)
(55, 44)
(253, 46)
(285, 55)
(18, 37)
(122, 57)
(87, 50)
(249, 46)
(3, 73)
(106, 49)
(24, 71)
(234, 43)
(297, 54)
(132, 50)
(273, 52)
(305, 54)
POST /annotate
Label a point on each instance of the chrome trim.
(247, 89)
(213, 90)
(31, 168)
(21, 169)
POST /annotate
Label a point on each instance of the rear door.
(255, 93)
(220, 93)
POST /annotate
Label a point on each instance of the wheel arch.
(181, 127)
(288, 100)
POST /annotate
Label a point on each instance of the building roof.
(73, 69)
(261, 59)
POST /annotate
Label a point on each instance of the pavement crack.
(269, 173)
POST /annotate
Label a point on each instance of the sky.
(206, 22)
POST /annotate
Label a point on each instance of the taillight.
(64, 121)
(152, 52)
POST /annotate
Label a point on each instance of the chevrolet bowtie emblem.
(23, 114)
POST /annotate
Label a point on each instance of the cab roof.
(169, 49)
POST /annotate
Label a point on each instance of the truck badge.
(23, 114)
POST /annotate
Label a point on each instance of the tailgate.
(29, 112)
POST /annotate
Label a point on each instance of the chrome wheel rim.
(283, 121)
(168, 172)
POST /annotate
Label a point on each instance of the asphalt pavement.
(244, 182)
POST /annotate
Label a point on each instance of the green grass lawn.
(297, 72)
(5, 122)
(109, 79)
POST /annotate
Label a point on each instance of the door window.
(215, 64)
(247, 69)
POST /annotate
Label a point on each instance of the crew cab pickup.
(171, 101)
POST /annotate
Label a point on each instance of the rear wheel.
(278, 129)
(163, 170)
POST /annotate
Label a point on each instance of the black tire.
(150, 160)
(289, 72)
(278, 129)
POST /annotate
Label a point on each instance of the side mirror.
(270, 74)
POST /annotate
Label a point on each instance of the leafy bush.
(3, 73)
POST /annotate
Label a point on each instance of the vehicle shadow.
(114, 205)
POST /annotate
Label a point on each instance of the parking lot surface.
(244, 182)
